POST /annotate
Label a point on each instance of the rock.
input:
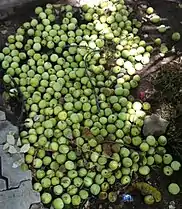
(154, 125)
(37, 206)
(172, 205)
(5, 128)
(4, 31)
(19, 198)
(13, 175)
(2, 116)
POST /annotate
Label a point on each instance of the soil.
(160, 85)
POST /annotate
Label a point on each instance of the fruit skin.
(155, 18)
(46, 198)
(150, 10)
(144, 170)
(167, 159)
(168, 171)
(174, 188)
(58, 203)
(149, 200)
(175, 165)
(176, 36)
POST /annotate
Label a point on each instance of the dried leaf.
(107, 149)
(18, 163)
(18, 143)
(12, 150)
(86, 133)
(6, 146)
(10, 139)
(25, 148)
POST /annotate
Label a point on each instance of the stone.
(5, 128)
(21, 198)
(13, 175)
(37, 206)
(2, 184)
(154, 125)
(172, 205)
(2, 116)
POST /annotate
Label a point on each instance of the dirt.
(160, 83)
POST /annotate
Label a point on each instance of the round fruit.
(149, 200)
(176, 36)
(173, 188)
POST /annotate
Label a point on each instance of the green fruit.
(150, 160)
(124, 152)
(167, 159)
(37, 187)
(125, 180)
(112, 196)
(76, 200)
(95, 189)
(127, 162)
(176, 36)
(146, 106)
(113, 165)
(78, 181)
(158, 41)
(66, 198)
(174, 189)
(144, 170)
(69, 165)
(58, 203)
(162, 28)
(144, 147)
(150, 10)
(83, 194)
(58, 189)
(88, 181)
(168, 171)
(136, 141)
(155, 18)
(175, 165)
(46, 198)
(163, 49)
(65, 182)
(149, 200)
(162, 140)
(151, 140)
(37, 163)
(158, 159)
(46, 182)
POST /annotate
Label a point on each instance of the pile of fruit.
(76, 70)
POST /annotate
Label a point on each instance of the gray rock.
(21, 198)
(37, 206)
(13, 175)
(154, 125)
(5, 128)
(172, 205)
(2, 116)
(3, 184)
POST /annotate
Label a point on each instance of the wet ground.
(161, 84)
